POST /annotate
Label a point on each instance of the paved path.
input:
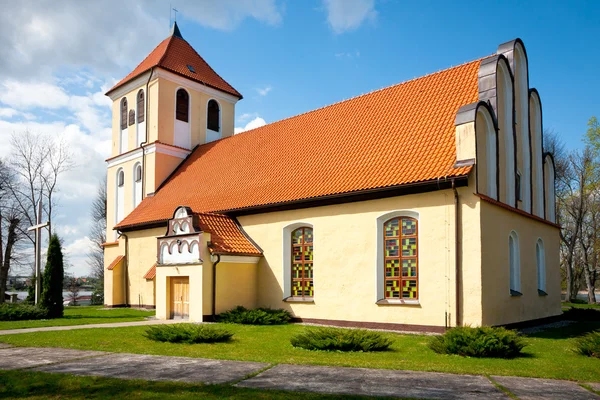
(336, 380)
(91, 326)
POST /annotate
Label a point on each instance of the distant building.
(426, 204)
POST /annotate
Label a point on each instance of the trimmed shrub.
(335, 339)
(21, 312)
(581, 314)
(54, 273)
(188, 333)
(589, 345)
(257, 316)
(479, 342)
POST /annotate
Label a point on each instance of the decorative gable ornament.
(181, 244)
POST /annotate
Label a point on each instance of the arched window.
(137, 184)
(131, 117)
(120, 178)
(182, 106)
(401, 258)
(141, 111)
(213, 116)
(302, 262)
(515, 264)
(540, 257)
(123, 113)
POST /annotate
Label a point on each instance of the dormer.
(174, 97)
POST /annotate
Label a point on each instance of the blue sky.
(286, 57)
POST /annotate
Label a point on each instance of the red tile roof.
(175, 54)
(399, 135)
(227, 237)
(115, 262)
(151, 273)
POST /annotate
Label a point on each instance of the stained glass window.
(401, 258)
(302, 263)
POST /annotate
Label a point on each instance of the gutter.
(457, 260)
(147, 94)
(214, 287)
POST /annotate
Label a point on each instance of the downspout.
(147, 94)
(457, 261)
(214, 287)
(125, 269)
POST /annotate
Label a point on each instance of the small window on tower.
(182, 106)
(212, 120)
(519, 196)
(121, 179)
(138, 173)
(131, 117)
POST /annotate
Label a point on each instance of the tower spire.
(175, 30)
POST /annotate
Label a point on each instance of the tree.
(98, 237)
(73, 287)
(53, 279)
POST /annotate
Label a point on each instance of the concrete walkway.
(333, 380)
(91, 326)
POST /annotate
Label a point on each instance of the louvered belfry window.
(140, 107)
(182, 106)
(212, 120)
(131, 117)
(124, 113)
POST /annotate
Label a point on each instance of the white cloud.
(246, 117)
(8, 112)
(348, 15)
(348, 54)
(255, 123)
(264, 91)
(27, 95)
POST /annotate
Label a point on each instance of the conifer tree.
(53, 280)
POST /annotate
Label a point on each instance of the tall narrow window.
(141, 110)
(401, 258)
(131, 117)
(123, 113)
(212, 119)
(137, 184)
(120, 196)
(519, 194)
(515, 264)
(302, 262)
(120, 178)
(182, 107)
(540, 258)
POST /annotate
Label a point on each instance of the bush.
(589, 345)
(334, 339)
(479, 342)
(188, 333)
(20, 312)
(258, 316)
(581, 314)
(54, 273)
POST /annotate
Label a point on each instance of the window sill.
(397, 302)
(542, 293)
(293, 299)
(514, 293)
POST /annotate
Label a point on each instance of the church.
(420, 206)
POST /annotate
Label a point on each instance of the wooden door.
(180, 298)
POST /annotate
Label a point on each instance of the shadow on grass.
(576, 329)
(24, 385)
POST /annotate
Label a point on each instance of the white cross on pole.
(38, 249)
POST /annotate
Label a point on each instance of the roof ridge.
(170, 38)
(356, 97)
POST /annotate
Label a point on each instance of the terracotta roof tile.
(227, 237)
(115, 262)
(394, 136)
(175, 54)
(151, 273)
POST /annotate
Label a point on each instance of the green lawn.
(42, 386)
(581, 305)
(80, 315)
(549, 354)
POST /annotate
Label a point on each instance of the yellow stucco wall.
(345, 254)
(236, 285)
(113, 279)
(499, 307)
(142, 256)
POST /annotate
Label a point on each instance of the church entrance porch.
(180, 298)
